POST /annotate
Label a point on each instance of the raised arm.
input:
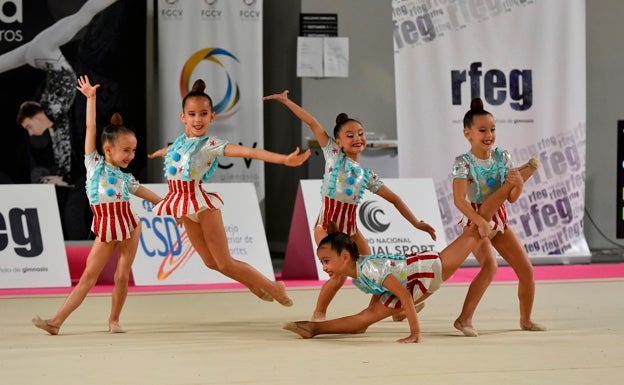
(317, 129)
(89, 91)
(293, 159)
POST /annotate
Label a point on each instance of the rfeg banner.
(221, 43)
(526, 61)
(32, 250)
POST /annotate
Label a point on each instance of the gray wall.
(368, 93)
(605, 105)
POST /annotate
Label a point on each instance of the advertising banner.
(221, 43)
(166, 257)
(526, 61)
(32, 250)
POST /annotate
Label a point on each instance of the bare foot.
(283, 298)
(114, 328)
(297, 327)
(45, 325)
(401, 315)
(466, 329)
(533, 327)
(263, 295)
(527, 169)
(318, 316)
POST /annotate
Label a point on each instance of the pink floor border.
(463, 275)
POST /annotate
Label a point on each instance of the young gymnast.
(54, 146)
(476, 175)
(190, 161)
(397, 279)
(344, 184)
(114, 223)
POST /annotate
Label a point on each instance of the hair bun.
(332, 227)
(476, 104)
(116, 119)
(198, 86)
(342, 117)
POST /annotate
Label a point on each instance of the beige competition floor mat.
(234, 338)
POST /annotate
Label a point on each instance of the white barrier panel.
(32, 249)
(166, 257)
(379, 221)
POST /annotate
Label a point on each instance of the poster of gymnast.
(166, 257)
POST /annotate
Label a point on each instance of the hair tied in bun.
(341, 118)
(476, 104)
(116, 119)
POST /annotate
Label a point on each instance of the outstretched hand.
(426, 227)
(295, 158)
(85, 86)
(280, 97)
(160, 153)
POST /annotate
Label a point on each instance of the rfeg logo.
(371, 217)
(20, 230)
(228, 105)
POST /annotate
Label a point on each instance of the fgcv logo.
(249, 12)
(170, 10)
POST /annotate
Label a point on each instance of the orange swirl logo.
(170, 263)
(229, 104)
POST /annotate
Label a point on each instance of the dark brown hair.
(476, 109)
(28, 109)
(339, 242)
(115, 129)
(198, 90)
(341, 120)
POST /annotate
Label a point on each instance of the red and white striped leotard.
(420, 273)
(108, 189)
(189, 163)
(344, 183)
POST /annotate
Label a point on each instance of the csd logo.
(372, 217)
